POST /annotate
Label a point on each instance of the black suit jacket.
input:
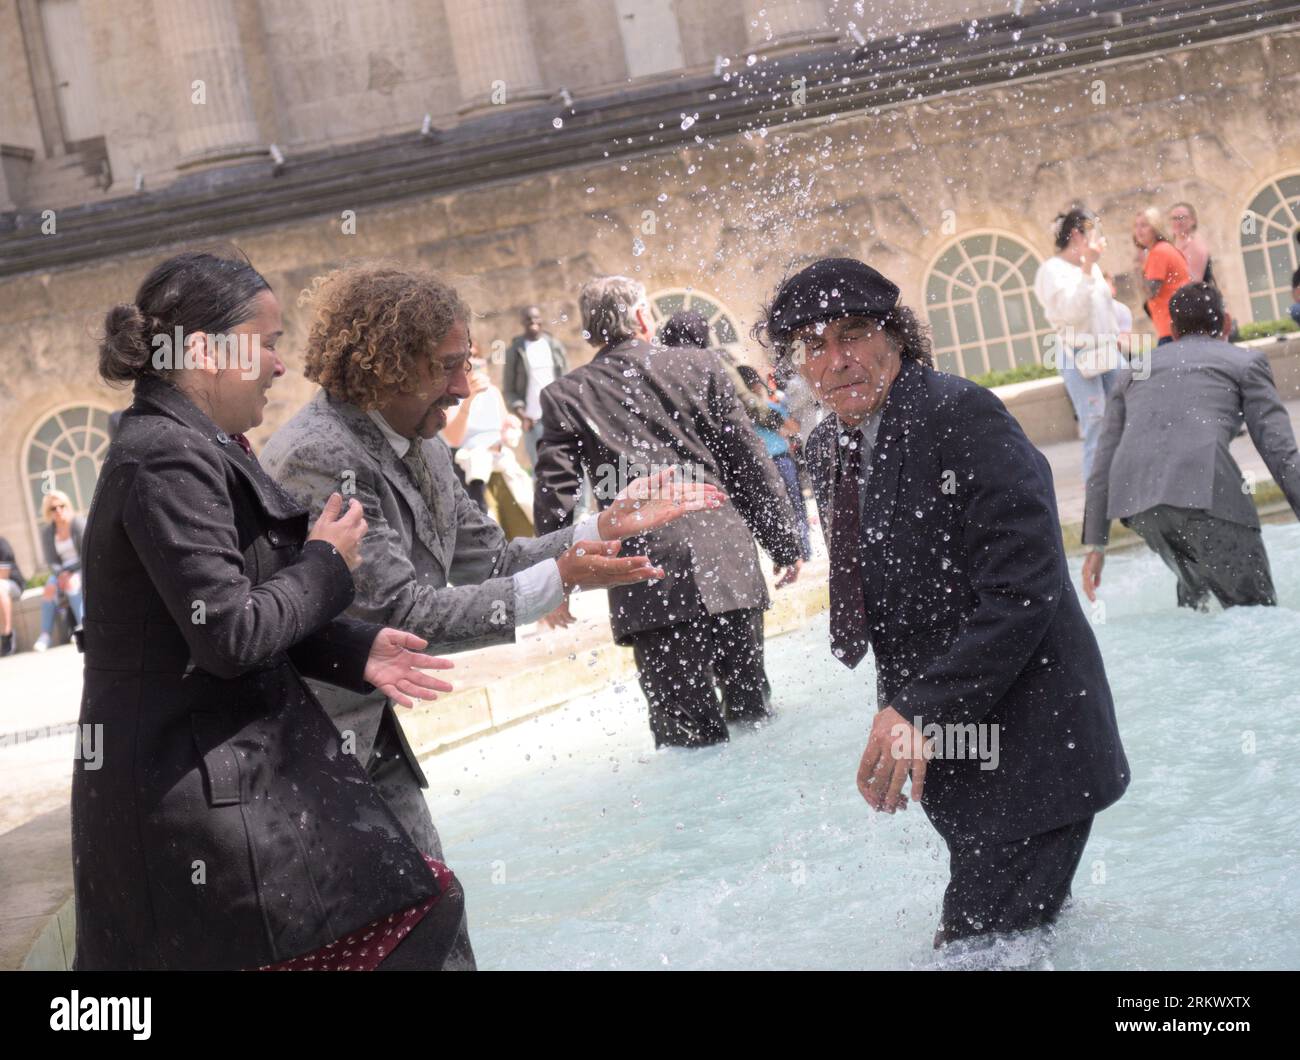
(203, 609)
(971, 613)
(636, 407)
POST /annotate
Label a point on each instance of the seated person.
(11, 589)
(61, 544)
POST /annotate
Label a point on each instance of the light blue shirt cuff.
(538, 589)
(588, 529)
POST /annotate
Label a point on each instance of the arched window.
(979, 297)
(722, 328)
(1268, 247)
(65, 452)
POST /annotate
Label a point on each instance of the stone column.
(781, 23)
(495, 58)
(200, 41)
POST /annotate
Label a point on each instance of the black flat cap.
(828, 290)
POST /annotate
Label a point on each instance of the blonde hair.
(1156, 219)
(48, 503)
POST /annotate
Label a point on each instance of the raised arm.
(1066, 296)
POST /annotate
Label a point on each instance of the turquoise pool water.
(580, 846)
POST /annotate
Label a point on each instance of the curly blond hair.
(374, 323)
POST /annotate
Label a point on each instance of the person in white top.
(533, 360)
(1077, 301)
(483, 435)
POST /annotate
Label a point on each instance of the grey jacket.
(636, 407)
(444, 574)
(1165, 438)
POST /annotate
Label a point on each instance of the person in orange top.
(1165, 269)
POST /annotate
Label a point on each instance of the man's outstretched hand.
(894, 751)
(653, 500)
(597, 565)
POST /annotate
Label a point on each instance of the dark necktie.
(243, 443)
(848, 600)
(418, 466)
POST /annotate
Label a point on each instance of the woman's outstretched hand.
(653, 500)
(396, 668)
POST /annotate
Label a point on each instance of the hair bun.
(124, 350)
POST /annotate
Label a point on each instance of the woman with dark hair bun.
(224, 826)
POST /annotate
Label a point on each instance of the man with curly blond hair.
(390, 349)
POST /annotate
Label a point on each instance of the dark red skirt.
(363, 950)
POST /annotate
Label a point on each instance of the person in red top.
(1165, 269)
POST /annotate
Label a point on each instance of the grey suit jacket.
(443, 574)
(1165, 438)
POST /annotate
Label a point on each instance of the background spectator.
(1164, 269)
(61, 544)
(1183, 226)
(1078, 303)
(779, 448)
(11, 589)
(533, 360)
(483, 435)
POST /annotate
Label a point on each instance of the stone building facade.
(705, 148)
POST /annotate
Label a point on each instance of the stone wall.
(731, 216)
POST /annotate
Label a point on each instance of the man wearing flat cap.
(947, 561)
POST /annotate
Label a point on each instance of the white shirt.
(483, 427)
(539, 589)
(541, 371)
(66, 548)
(1077, 302)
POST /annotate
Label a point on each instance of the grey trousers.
(1209, 555)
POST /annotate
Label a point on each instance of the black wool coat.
(971, 613)
(225, 825)
(636, 408)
